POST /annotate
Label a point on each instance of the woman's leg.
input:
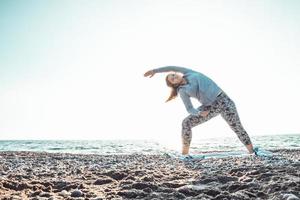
(188, 123)
(230, 114)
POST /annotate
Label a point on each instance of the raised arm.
(172, 68)
(151, 72)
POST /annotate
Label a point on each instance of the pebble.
(290, 197)
(116, 175)
(103, 180)
(45, 194)
(64, 193)
(76, 193)
(133, 193)
(16, 198)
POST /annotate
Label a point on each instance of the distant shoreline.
(125, 147)
(146, 139)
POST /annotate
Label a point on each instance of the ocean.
(105, 147)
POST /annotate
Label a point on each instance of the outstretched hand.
(149, 73)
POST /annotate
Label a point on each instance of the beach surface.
(41, 175)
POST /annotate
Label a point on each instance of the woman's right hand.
(149, 73)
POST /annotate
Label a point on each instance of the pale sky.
(74, 69)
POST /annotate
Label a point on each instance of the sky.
(74, 69)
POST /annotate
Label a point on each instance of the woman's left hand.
(204, 113)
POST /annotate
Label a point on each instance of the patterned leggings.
(222, 105)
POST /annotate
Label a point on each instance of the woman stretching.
(214, 101)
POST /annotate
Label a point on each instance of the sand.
(29, 175)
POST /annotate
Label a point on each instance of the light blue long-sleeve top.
(198, 86)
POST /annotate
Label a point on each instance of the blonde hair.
(174, 88)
